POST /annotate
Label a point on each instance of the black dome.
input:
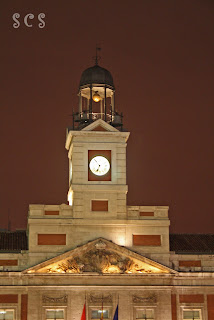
(98, 75)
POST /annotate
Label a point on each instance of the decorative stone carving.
(142, 299)
(98, 298)
(101, 261)
(100, 245)
(62, 299)
(100, 256)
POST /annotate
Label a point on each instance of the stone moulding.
(142, 299)
(99, 298)
(62, 299)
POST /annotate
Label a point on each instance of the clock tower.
(96, 147)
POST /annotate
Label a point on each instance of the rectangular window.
(145, 314)
(97, 313)
(192, 314)
(6, 314)
(53, 314)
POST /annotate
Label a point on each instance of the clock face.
(99, 165)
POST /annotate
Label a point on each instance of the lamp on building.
(96, 97)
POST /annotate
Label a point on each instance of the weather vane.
(97, 58)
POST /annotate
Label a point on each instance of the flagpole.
(101, 318)
(86, 310)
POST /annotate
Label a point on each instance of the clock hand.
(98, 167)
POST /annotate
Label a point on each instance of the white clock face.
(99, 165)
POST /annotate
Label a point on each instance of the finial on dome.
(97, 58)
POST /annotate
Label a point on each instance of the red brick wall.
(99, 205)
(51, 213)
(99, 128)
(191, 298)
(51, 239)
(174, 307)
(190, 263)
(8, 298)
(146, 240)
(4, 262)
(210, 306)
(24, 305)
(147, 214)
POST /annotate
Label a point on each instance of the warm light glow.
(96, 97)
(112, 269)
(121, 240)
(70, 198)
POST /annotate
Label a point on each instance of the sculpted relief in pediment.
(101, 261)
(101, 257)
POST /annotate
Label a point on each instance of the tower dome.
(96, 98)
(96, 75)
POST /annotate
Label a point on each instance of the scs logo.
(28, 20)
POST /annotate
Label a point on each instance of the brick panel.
(51, 213)
(189, 263)
(51, 239)
(99, 128)
(8, 298)
(147, 214)
(191, 298)
(24, 305)
(99, 205)
(210, 306)
(146, 240)
(174, 307)
(4, 262)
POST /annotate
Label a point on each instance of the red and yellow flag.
(83, 313)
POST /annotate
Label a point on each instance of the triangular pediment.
(100, 256)
(100, 125)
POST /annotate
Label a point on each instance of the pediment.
(100, 256)
(100, 125)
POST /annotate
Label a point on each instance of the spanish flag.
(83, 314)
(116, 314)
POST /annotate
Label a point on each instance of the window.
(53, 314)
(192, 314)
(6, 314)
(145, 314)
(97, 313)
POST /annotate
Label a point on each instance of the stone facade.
(99, 252)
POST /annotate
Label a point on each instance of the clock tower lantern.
(96, 147)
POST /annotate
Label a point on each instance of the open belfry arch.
(97, 257)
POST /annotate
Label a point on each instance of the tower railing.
(82, 119)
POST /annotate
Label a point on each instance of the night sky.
(161, 56)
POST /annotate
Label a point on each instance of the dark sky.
(160, 54)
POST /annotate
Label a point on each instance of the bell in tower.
(96, 98)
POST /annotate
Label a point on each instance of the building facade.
(98, 253)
